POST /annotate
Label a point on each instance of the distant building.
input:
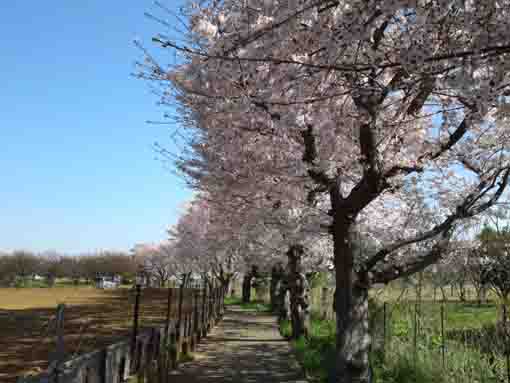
(108, 281)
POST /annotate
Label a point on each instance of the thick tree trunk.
(225, 283)
(351, 306)
(276, 277)
(282, 299)
(247, 287)
(233, 291)
(298, 288)
(285, 313)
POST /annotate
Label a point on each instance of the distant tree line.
(20, 267)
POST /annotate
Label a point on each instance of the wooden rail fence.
(175, 338)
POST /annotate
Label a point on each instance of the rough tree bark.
(285, 299)
(247, 288)
(277, 274)
(282, 299)
(247, 282)
(351, 293)
(351, 307)
(225, 279)
(298, 288)
(233, 291)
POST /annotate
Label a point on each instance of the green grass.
(233, 301)
(188, 357)
(457, 314)
(470, 315)
(317, 353)
(43, 283)
(259, 306)
(396, 359)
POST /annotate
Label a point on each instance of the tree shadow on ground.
(27, 336)
(245, 348)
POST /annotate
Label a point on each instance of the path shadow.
(245, 348)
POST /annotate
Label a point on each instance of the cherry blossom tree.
(475, 266)
(389, 113)
(50, 266)
(159, 263)
(495, 250)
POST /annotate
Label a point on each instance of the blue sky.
(78, 169)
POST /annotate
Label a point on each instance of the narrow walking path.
(246, 347)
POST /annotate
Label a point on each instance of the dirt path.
(245, 347)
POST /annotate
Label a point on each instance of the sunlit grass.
(410, 353)
(256, 305)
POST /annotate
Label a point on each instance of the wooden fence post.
(220, 303)
(187, 324)
(204, 314)
(215, 306)
(58, 356)
(210, 306)
(168, 315)
(179, 326)
(135, 328)
(196, 319)
(218, 297)
(223, 295)
(220, 288)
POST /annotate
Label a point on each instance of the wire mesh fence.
(431, 339)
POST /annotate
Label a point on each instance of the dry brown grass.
(93, 319)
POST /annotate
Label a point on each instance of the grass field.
(93, 319)
(410, 347)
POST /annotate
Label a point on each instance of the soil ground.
(93, 319)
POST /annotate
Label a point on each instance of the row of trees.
(154, 262)
(311, 127)
(23, 265)
(482, 263)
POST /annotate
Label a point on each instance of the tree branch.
(309, 156)
(462, 211)
(454, 138)
(490, 51)
(395, 271)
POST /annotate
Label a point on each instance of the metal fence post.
(443, 345)
(507, 350)
(384, 330)
(415, 335)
